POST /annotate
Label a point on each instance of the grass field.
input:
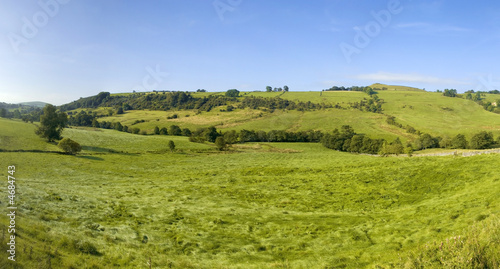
(126, 198)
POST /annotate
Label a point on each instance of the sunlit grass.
(261, 205)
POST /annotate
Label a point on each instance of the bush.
(171, 145)
(69, 146)
(220, 144)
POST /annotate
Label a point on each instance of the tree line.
(346, 139)
(368, 90)
(185, 101)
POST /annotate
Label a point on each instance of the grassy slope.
(425, 111)
(436, 114)
(264, 206)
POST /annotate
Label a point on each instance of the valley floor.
(127, 198)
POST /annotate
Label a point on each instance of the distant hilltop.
(34, 104)
(395, 88)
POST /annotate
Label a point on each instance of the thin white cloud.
(410, 78)
(430, 28)
(412, 25)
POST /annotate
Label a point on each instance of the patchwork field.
(127, 199)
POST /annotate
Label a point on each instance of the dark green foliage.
(118, 126)
(3, 112)
(482, 140)
(69, 146)
(81, 118)
(426, 141)
(88, 102)
(210, 134)
(119, 110)
(174, 130)
(231, 137)
(365, 89)
(183, 100)
(269, 89)
(459, 142)
(164, 131)
(348, 140)
(279, 103)
(409, 129)
(396, 147)
(186, 132)
(374, 105)
(52, 123)
(156, 131)
(135, 130)
(233, 93)
(220, 144)
(171, 145)
(450, 93)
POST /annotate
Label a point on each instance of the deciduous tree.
(52, 123)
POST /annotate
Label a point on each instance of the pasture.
(126, 198)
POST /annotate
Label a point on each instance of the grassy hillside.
(425, 111)
(126, 199)
(436, 114)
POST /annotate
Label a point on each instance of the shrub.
(171, 145)
(220, 144)
(69, 146)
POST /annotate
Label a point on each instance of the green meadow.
(127, 199)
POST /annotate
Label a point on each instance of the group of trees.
(476, 97)
(450, 93)
(210, 134)
(273, 103)
(347, 140)
(17, 111)
(270, 89)
(480, 140)
(183, 100)
(409, 129)
(374, 104)
(368, 90)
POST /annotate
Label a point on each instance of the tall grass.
(288, 205)
(478, 247)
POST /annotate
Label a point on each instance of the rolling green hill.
(127, 199)
(427, 112)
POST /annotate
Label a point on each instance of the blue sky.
(57, 51)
